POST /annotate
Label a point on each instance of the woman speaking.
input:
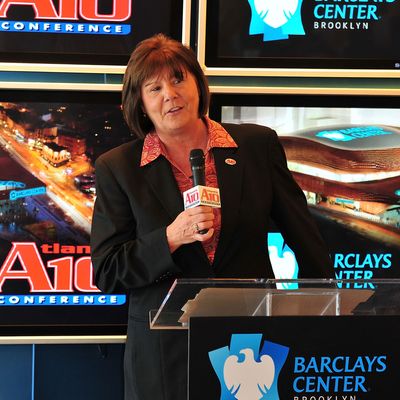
(142, 239)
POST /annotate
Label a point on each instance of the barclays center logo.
(276, 19)
(249, 369)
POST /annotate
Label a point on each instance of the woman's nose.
(169, 92)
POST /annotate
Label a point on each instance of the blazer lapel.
(160, 177)
(229, 168)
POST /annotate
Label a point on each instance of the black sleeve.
(121, 259)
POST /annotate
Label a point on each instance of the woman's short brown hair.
(150, 57)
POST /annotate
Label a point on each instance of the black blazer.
(135, 204)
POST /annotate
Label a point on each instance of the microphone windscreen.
(197, 165)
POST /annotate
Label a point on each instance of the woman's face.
(170, 103)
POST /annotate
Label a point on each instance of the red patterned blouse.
(217, 137)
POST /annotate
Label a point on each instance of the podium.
(298, 339)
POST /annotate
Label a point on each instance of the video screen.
(344, 152)
(83, 31)
(302, 34)
(49, 141)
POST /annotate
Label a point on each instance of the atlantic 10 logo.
(24, 262)
(71, 9)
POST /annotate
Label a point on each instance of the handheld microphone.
(197, 164)
(200, 194)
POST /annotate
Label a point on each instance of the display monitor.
(299, 37)
(344, 152)
(49, 141)
(87, 32)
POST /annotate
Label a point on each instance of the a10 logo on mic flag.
(202, 196)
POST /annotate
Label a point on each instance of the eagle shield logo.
(276, 19)
(248, 371)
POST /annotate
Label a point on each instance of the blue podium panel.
(66, 372)
(16, 372)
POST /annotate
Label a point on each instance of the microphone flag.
(202, 196)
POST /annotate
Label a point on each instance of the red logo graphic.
(69, 275)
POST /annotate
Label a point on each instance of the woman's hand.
(186, 226)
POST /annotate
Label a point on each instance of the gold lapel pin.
(230, 161)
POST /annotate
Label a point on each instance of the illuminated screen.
(48, 144)
(83, 31)
(344, 152)
(302, 34)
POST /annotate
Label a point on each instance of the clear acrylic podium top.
(269, 297)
